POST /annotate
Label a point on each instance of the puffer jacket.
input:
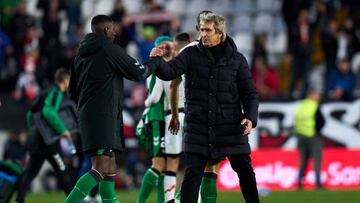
(218, 96)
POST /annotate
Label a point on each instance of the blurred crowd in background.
(291, 46)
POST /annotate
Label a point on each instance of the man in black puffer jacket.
(221, 106)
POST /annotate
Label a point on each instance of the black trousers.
(33, 168)
(195, 165)
(310, 147)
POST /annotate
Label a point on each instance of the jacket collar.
(230, 49)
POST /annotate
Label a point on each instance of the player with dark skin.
(96, 86)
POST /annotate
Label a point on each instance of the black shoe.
(171, 201)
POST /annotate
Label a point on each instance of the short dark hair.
(61, 74)
(99, 22)
(182, 39)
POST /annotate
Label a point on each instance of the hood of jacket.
(92, 43)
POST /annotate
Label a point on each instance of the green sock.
(149, 181)
(83, 186)
(107, 190)
(208, 188)
(160, 190)
(178, 195)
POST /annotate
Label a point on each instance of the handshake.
(165, 49)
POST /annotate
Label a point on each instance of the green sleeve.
(50, 111)
(28, 119)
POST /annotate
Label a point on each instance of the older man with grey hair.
(221, 106)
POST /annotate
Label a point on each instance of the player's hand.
(174, 125)
(67, 134)
(155, 52)
(248, 126)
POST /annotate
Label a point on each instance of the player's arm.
(155, 95)
(174, 104)
(174, 96)
(50, 112)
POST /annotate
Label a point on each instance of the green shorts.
(155, 131)
(107, 152)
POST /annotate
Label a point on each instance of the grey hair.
(218, 20)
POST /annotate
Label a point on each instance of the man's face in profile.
(66, 83)
(110, 31)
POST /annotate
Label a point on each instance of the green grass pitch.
(227, 197)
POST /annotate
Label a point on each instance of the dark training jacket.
(48, 102)
(96, 85)
(218, 96)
